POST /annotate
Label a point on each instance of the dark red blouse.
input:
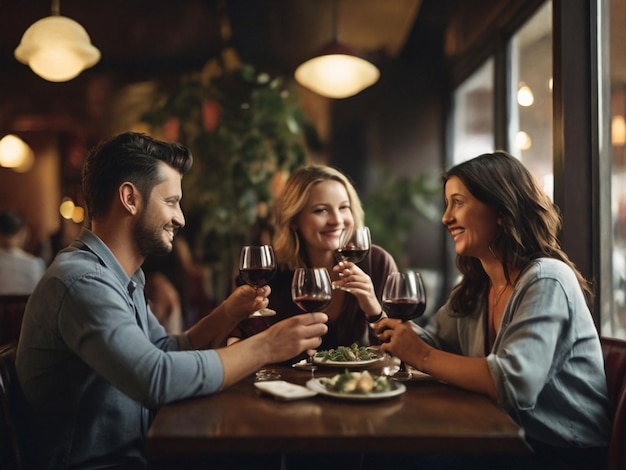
(350, 327)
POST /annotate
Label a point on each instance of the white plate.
(397, 389)
(327, 362)
(285, 390)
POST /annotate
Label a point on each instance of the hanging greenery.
(245, 130)
(393, 205)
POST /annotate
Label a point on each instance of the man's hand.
(245, 300)
(289, 337)
(280, 342)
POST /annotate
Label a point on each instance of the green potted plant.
(394, 204)
(245, 130)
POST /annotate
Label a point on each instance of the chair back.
(10, 451)
(11, 313)
(614, 352)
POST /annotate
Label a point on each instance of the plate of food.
(348, 356)
(357, 386)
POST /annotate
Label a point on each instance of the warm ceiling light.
(618, 130)
(78, 214)
(57, 48)
(337, 71)
(67, 208)
(525, 96)
(523, 140)
(15, 153)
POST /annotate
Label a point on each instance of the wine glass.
(257, 266)
(354, 244)
(312, 291)
(404, 297)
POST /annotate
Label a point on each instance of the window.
(530, 99)
(529, 124)
(473, 131)
(614, 324)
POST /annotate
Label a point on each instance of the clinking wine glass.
(354, 244)
(404, 298)
(257, 266)
(312, 291)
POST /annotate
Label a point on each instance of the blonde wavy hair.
(288, 247)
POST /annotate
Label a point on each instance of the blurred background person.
(20, 271)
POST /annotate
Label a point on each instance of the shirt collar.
(93, 243)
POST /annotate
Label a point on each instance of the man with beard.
(93, 361)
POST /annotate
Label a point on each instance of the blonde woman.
(317, 203)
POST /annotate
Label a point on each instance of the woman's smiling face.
(325, 215)
(472, 224)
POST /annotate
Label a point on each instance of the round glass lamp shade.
(15, 153)
(337, 73)
(57, 49)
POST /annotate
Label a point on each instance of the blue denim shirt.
(546, 362)
(94, 362)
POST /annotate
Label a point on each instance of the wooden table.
(430, 417)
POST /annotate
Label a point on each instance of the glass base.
(264, 312)
(267, 374)
(402, 376)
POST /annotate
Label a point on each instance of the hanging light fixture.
(15, 154)
(57, 48)
(337, 71)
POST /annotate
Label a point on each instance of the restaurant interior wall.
(400, 122)
(396, 123)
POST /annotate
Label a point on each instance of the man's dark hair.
(131, 157)
(11, 222)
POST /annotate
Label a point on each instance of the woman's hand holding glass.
(399, 339)
(404, 298)
(354, 280)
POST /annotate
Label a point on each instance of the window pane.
(472, 115)
(530, 120)
(615, 325)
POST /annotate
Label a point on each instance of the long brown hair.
(530, 225)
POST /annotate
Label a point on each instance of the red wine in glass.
(257, 277)
(404, 297)
(404, 308)
(257, 266)
(312, 291)
(309, 303)
(354, 244)
(353, 254)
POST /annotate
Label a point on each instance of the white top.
(19, 271)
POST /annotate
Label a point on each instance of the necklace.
(490, 321)
(497, 297)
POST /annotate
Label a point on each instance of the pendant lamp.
(57, 48)
(337, 71)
